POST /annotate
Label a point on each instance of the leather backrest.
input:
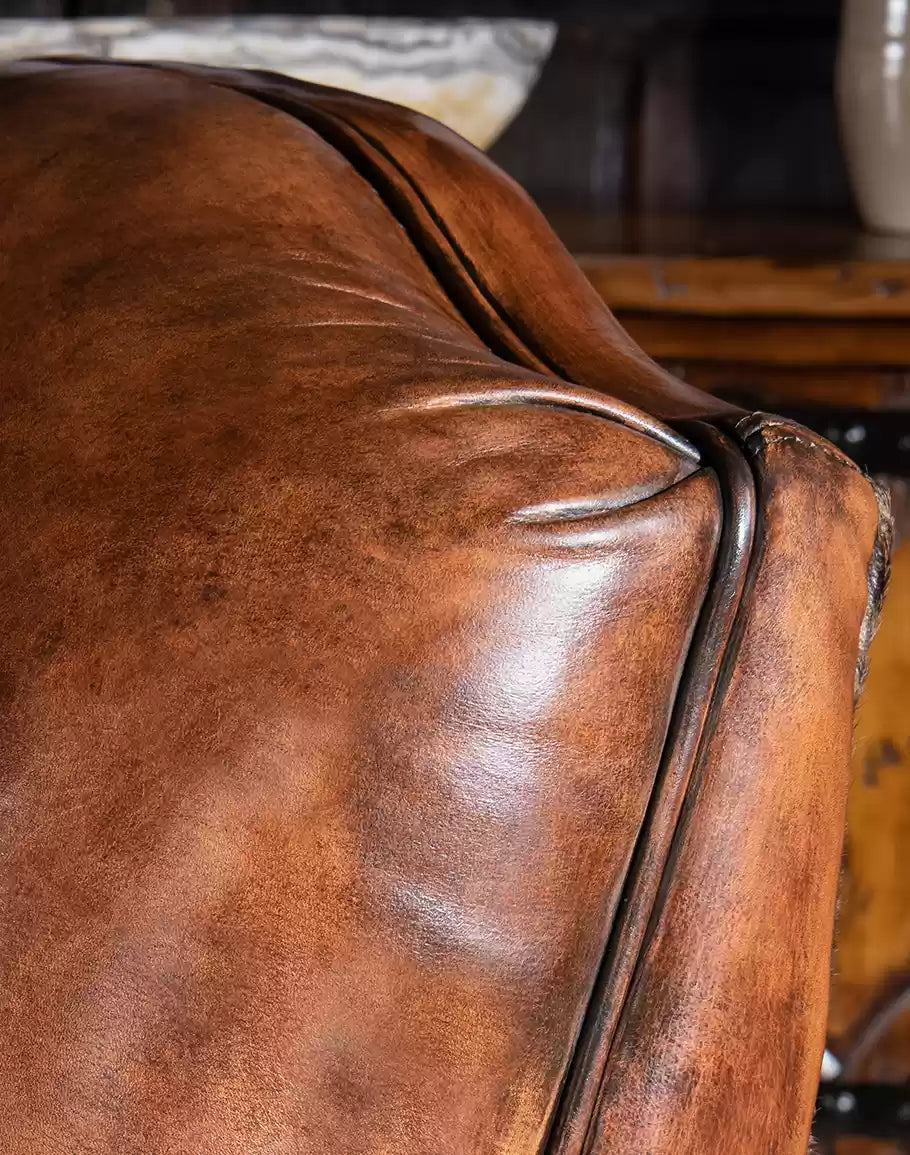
(426, 721)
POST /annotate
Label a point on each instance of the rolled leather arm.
(426, 721)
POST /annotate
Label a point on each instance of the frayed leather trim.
(876, 580)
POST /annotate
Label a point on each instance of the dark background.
(662, 106)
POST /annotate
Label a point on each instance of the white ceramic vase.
(873, 91)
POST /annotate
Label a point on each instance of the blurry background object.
(873, 88)
(473, 75)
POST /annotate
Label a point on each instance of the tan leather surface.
(357, 667)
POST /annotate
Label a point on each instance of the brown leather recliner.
(425, 721)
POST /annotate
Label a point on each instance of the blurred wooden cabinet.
(815, 321)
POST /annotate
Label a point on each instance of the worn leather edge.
(711, 654)
(878, 575)
(755, 429)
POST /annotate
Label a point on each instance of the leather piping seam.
(730, 653)
(750, 432)
(379, 183)
(719, 628)
(519, 351)
(531, 357)
(346, 140)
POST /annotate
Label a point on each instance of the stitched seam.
(790, 433)
(819, 447)
(718, 691)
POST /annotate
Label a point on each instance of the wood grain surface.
(772, 341)
(752, 286)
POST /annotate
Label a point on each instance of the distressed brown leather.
(425, 721)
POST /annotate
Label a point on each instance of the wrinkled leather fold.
(426, 720)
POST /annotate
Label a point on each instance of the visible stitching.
(818, 446)
(791, 433)
(878, 569)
